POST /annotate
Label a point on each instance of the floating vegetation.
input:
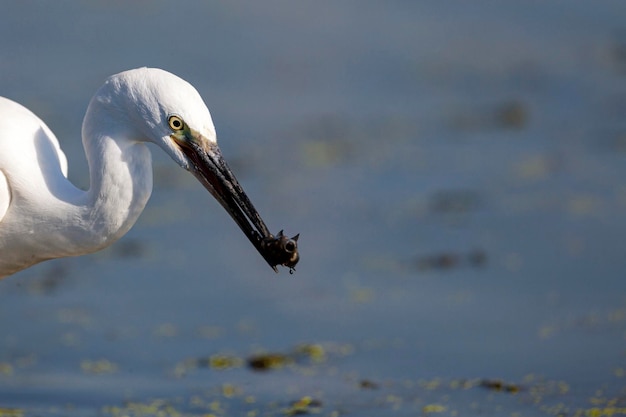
(601, 412)
(368, 384)
(305, 405)
(590, 322)
(509, 114)
(268, 361)
(315, 353)
(226, 400)
(221, 362)
(11, 412)
(433, 408)
(53, 278)
(143, 409)
(303, 355)
(100, 366)
(217, 362)
(6, 369)
(500, 386)
(361, 396)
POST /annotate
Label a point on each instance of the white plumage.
(44, 216)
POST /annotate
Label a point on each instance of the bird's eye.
(176, 123)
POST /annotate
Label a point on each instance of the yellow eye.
(176, 123)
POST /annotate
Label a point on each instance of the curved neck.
(51, 218)
(120, 185)
(120, 172)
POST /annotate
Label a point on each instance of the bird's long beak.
(208, 165)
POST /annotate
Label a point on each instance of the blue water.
(455, 170)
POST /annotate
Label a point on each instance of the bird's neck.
(120, 184)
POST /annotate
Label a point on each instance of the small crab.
(281, 250)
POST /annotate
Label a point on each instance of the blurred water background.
(455, 169)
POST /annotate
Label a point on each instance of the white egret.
(44, 216)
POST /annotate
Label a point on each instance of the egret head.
(156, 106)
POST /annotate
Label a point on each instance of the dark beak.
(208, 165)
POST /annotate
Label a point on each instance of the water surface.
(455, 171)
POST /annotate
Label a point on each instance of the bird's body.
(44, 216)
